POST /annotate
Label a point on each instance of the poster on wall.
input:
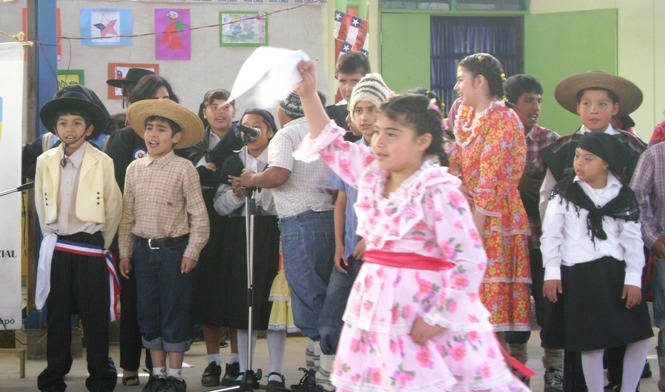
(67, 77)
(173, 39)
(106, 26)
(243, 28)
(119, 71)
(11, 134)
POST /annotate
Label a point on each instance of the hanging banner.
(11, 130)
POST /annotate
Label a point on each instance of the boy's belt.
(158, 243)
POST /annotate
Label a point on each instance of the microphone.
(249, 133)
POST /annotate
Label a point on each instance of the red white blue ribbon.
(96, 251)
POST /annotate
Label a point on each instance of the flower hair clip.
(433, 105)
(503, 76)
(480, 57)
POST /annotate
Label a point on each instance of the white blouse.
(565, 240)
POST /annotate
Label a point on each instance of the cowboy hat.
(74, 101)
(189, 122)
(133, 76)
(630, 96)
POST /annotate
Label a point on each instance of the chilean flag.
(350, 33)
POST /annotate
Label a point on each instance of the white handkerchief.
(268, 75)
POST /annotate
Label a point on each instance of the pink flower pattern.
(428, 216)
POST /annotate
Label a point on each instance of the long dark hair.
(148, 86)
(488, 66)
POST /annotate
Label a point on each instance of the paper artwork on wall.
(68, 77)
(243, 28)
(106, 27)
(173, 37)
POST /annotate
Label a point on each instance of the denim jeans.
(330, 320)
(308, 248)
(163, 297)
(659, 300)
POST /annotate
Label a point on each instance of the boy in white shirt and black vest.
(78, 204)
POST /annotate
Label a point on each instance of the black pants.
(79, 284)
(130, 334)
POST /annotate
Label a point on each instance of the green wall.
(558, 45)
(405, 50)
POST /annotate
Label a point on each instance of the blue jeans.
(330, 320)
(163, 297)
(308, 248)
(659, 300)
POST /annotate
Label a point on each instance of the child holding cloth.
(414, 320)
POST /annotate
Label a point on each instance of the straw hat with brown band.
(630, 96)
(189, 122)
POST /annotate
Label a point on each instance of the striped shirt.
(163, 199)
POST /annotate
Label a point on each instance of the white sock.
(217, 358)
(313, 355)
(276, 347)
(592, 364)
(233, 358)
(633, 364)
(242, 348)
(175, 373)
(323, 373)
(159, 372)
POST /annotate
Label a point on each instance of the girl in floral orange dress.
(488, 156)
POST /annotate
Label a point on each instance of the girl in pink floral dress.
(414, 320)
(488, 156)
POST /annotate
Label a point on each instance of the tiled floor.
(294, 358)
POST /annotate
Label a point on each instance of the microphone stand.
(20, 188)
(250, 378)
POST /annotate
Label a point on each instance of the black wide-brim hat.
(74, 101)
(630, 96)
(133, 76)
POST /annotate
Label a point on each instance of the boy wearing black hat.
(78, 204)
(131, 79)
(164, 226)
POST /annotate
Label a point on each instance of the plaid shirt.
(535, 167)
(163, 199)
(648, 183)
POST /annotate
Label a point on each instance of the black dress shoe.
(211, 375)
(230, 374)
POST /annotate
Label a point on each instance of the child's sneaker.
(174, 385)
(307, 381)
(553, 380)
(155, 383)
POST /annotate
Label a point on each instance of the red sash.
(406, 260)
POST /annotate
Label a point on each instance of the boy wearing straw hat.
(596, 97)
(163, 228)
(78, 204)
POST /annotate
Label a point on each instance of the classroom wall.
(211, 66)
(641, 40)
